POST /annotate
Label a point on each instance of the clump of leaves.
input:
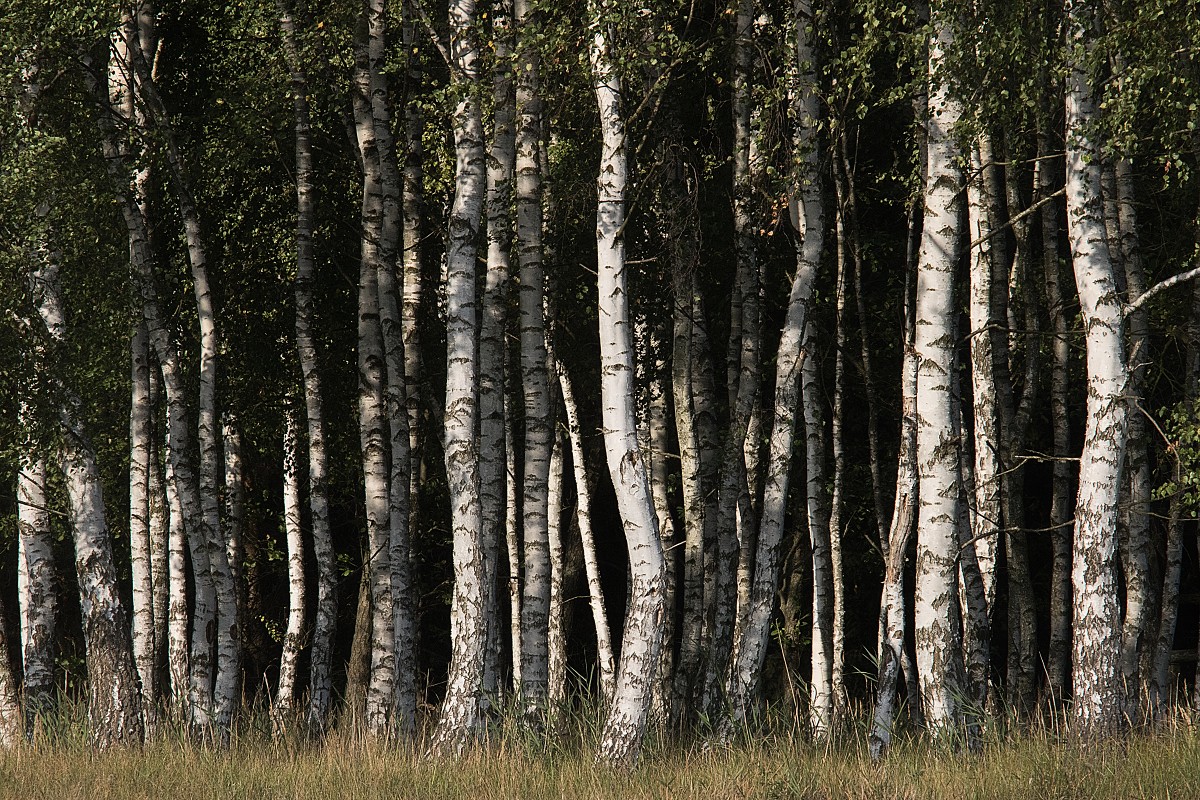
(1181, 423)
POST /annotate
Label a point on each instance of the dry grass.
(59, 766)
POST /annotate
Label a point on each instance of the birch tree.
(621, 738)
(321, 655)
(114, 700)
(808, 219)
(493, 411)
(1096, 615)
(460, 716)
(285, 696)
(372, 371)
(936, 612)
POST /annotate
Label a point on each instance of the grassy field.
(1035, 767)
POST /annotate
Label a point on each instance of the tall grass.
(58, 764)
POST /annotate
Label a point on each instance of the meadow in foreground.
(60, 766)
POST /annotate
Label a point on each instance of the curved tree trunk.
(621, 739)
(583, 511)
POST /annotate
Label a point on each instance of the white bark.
(985, 516)
(535, 382)
(493, 452)
(556, 639)
(37, 595)
(583, 512)
(321, 657)
(285, 697)
(621, 739)
(936, 617)
(750, 647)
(114, 702)
(904, 511)
(179, 668)
(12, 726)
(141, 431)
(460, 717)
(1096, 614)
(821, 697)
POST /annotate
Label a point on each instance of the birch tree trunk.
(808, 219)
(621, 739)
(12, 725)
(535, 599)
(321, 654)
(402, 701)
(986, 325)
(556, 639)
(114, 701)
(583, 512)
(493, 451)
(373, 379)
(181, 476)
(836, 494)
(904, 513)
(1096, 615)
(179, 668)
(735, 526)
(227, 686)
(37, 594)
(141, 432)
(159, 550)
(460, 717)
(937, 615)
(822, 700)
(1136, 631)
(285, 697)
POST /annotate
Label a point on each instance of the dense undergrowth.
(1032, 763)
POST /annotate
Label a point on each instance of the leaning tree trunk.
(583, 513)
(1096, 619)
(460, 717)
(936, 615)
(180, 470)
(621, 739)
(114, 701)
